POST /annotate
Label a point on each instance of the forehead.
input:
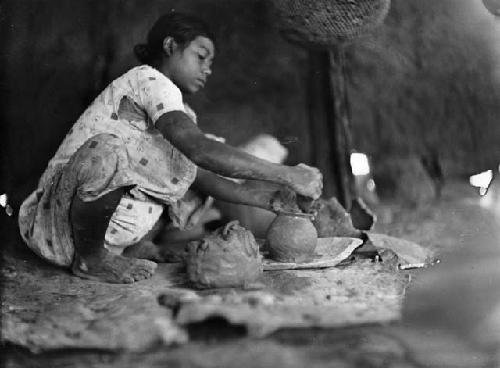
(203, 43)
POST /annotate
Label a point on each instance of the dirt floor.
(450, 316)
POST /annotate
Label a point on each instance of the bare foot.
(112, 268)
(145, 249)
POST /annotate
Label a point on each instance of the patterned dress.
(114, 144)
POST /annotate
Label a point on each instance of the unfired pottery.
(229, 257)
(291, 239)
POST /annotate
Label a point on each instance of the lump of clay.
(229, 257)
(333, 220)
(291, 239)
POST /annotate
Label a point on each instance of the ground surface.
(450, 317)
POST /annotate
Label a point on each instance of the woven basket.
(328, 22)
(493, 6)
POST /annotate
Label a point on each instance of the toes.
(122, 278)
(142, 263)
(127, 280)
(139, 277)
(150, 265)
(116, 269)
(148, 273)
(145, 271)
(142, 276)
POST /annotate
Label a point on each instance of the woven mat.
(46, 308)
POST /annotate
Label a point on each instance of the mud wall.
(422, 83)
(427, 83)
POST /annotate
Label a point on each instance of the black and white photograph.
(250, 183)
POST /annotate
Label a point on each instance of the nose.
(207, 71)
(207, 68)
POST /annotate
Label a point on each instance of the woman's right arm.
(225, 160)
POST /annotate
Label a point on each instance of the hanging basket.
(328, 22)
(493, 6)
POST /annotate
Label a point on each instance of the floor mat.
(46, 308)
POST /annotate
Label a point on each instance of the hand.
(306, 204)
(284, 199)
(307, 181)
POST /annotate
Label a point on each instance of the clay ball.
(229, 257)
(332, 220)
(291, 239)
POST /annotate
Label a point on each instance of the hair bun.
(142, 53)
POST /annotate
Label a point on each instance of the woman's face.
(190, 67)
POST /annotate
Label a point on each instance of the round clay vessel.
(291, 239)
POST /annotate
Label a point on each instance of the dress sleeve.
(158, 94)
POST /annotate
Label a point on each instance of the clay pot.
(229, 257)
(291, 239)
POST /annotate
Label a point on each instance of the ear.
(169, 45)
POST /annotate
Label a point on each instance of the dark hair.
(183, 28)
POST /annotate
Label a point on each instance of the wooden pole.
(340, 121)
(319, 106)
(329, 119)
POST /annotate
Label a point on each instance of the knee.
(98, 152)
(101, 143)
(97, 161)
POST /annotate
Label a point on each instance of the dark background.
(423, 82)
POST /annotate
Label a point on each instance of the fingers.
(316, 180)
(284, 199)
(305, 203)
(309, 181)
(287, 195)
(310, 168)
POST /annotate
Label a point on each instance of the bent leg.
(96, 175)
(92, 260)
(65, 220)
(180, 223)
